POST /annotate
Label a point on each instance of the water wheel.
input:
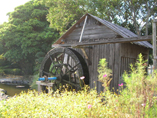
(67, 65)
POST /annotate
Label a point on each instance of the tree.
(64, 13)
(132, 14)
(138, 14)
(27, 36)
(1, 46)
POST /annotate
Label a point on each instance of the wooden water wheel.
(67, 65)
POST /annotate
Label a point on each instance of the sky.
(8, 6)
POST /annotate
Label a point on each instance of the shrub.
(67, 104)
(139, 94)
(105, 74)
(14, 71)
(137, 99)
(2, 72)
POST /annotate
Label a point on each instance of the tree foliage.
(63, 13)
(26, 35)
(26, 38)
(132, 14)
(138, 13)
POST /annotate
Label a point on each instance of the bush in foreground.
(68, 104)
(136, 100)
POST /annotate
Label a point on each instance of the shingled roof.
(125, 33)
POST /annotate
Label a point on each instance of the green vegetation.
(7, 67)
(27, 37)
(135, 101)
(33, 84)
(63, 13)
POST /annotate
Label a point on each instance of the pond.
(14, 89)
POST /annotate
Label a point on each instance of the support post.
(85, 54)
(41, 84)
(83, 29)
(154, 44)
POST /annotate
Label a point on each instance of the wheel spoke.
(71, 70)
(63, 56)
(47, 73)
(50, 58)
(59, 57)
(66, 65)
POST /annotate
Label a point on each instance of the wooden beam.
(154, 44)
(85, 54)
(106, 41)
(83, 29)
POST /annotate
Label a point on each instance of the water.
(13, 90)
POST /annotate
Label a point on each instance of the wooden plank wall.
(93, 31)
(109, 51)
(129, 53)
(113, 54)
(132, 50)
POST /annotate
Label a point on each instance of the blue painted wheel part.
(49, 78)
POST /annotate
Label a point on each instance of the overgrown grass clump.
(137, 100)
(68, 104)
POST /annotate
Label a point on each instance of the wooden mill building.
(95, 38)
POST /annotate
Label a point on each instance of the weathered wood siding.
(118, 55)
(112, 54)
(93, 31)
(129, 54)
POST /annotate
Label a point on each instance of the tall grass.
(135, 101)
